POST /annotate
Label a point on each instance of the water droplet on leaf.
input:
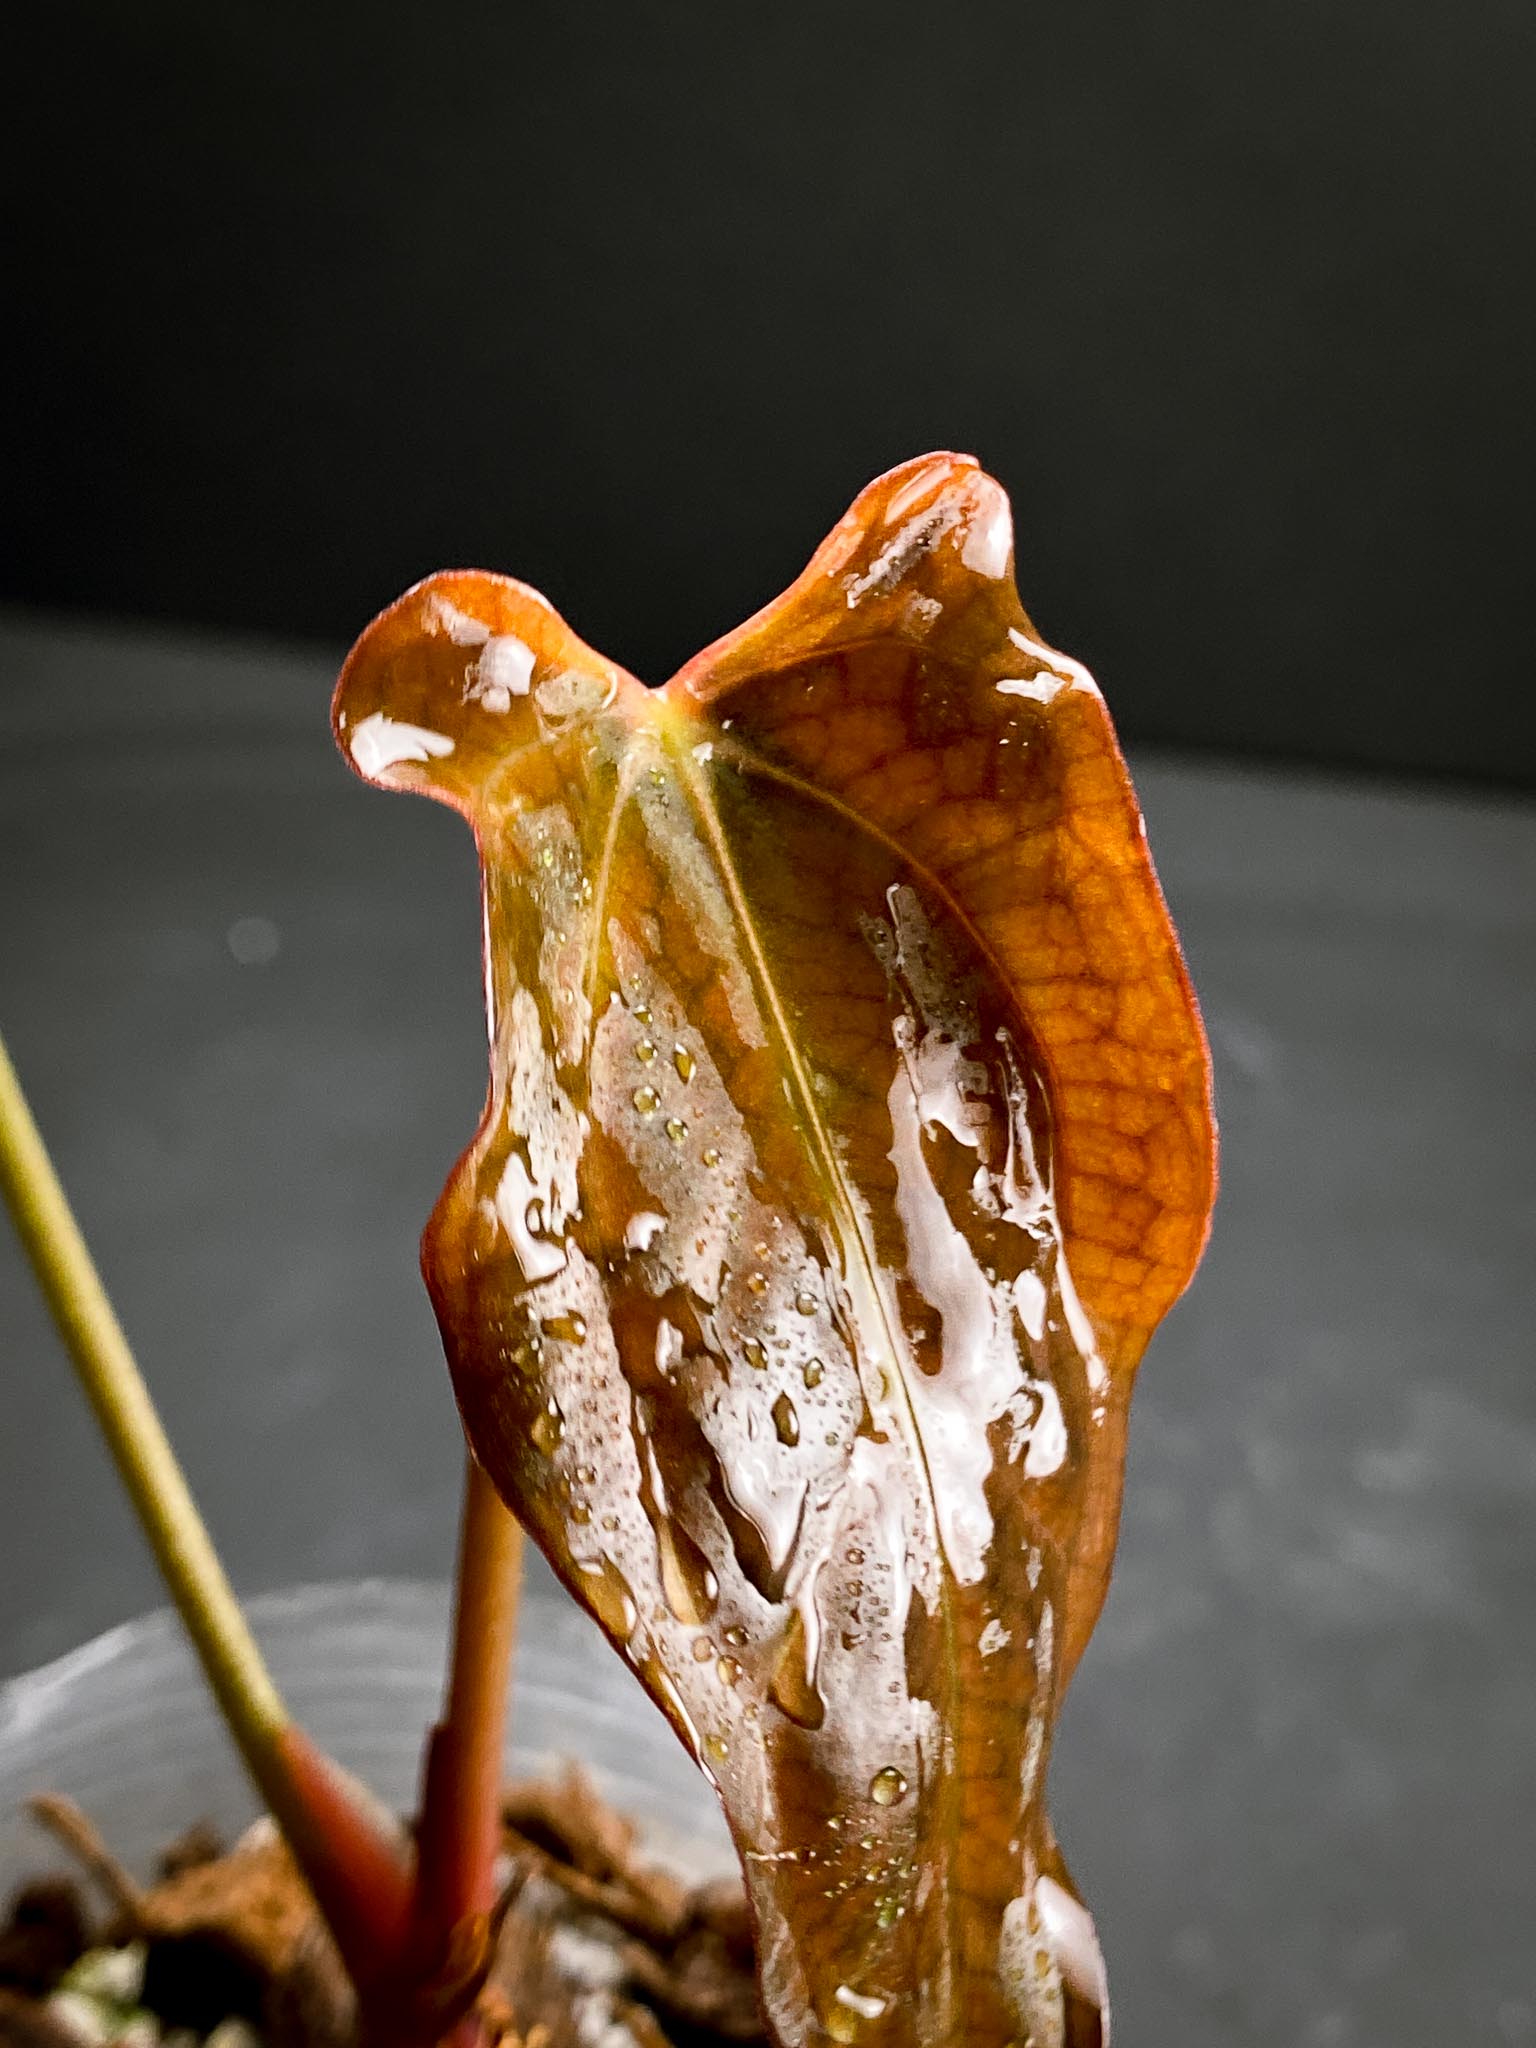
(792, 1687)
(887, 1787)
(687, 1578)
(850, 2010)
(605, 1591)
(785, 1421)
(569, 1328)
(548, 1431)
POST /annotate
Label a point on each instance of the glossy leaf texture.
(848, 1134)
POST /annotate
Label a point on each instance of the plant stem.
(310, 1800)
(247, 1697)
(461, 1795)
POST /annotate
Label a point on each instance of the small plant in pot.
(848, 1134)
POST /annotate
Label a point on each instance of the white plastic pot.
(125, 1725)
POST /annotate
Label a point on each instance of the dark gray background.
(1236, 297)
(1297, 1775)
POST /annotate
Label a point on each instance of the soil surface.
(596, 1948)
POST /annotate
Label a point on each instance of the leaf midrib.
(701, 798)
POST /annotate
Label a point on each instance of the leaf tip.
(463, 669)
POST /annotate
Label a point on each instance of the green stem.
(309, 1800)
(161, 1498)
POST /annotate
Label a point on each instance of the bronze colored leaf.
(848, 1134)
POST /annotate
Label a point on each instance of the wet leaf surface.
(848, 1134)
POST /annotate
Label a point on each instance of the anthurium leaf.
(848, 1134)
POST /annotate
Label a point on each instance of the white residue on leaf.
(1068, 1926)
(989, 534)
(503, 671)
(539, 1113)
(1047, 1449)
(642, 1230)
(1064, 667)
(1043, 687)
(540, 1257)
(443, 616)
(381, 742)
